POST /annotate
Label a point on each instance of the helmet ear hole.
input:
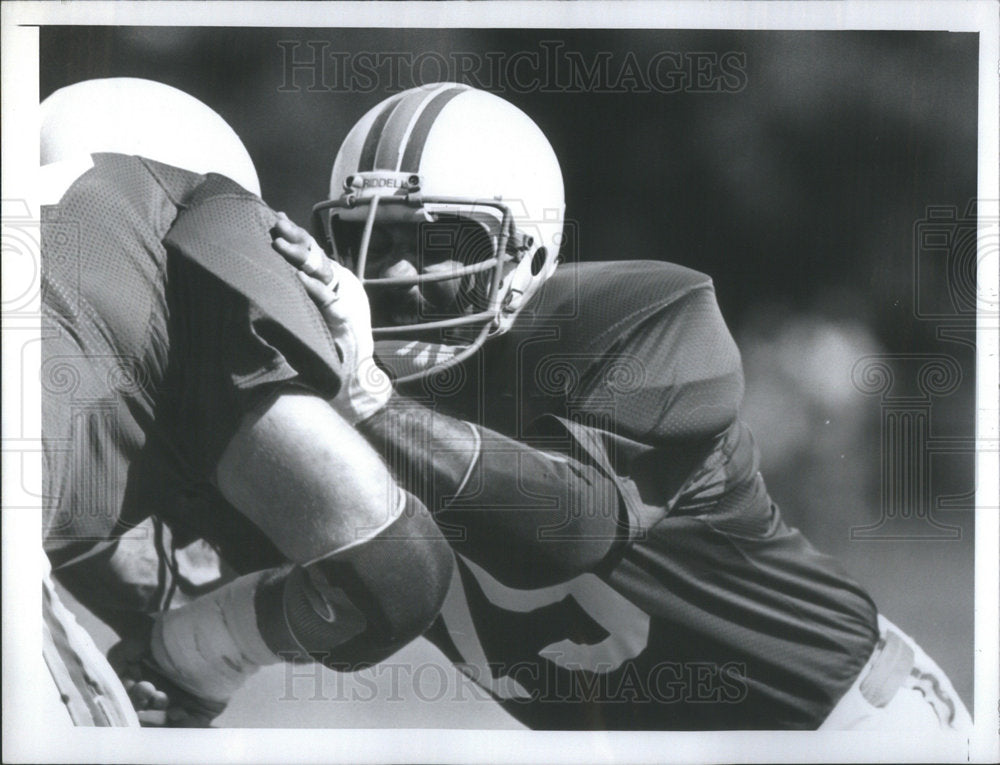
(538, 261)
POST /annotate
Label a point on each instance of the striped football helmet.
(476, 190)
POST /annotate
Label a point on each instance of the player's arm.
(371, 569)
(368, 572)
(368, 568)
(668, 366)
(532, 517)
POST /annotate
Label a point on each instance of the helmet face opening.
(449, 247)
(427, 264)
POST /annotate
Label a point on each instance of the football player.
(186, 375)
(705, 609)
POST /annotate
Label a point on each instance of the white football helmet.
(127, 115)
(449, 155)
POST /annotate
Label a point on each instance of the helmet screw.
(413, 181)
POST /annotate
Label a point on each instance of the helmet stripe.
(393, 138)
(418, 136)
(367, 161)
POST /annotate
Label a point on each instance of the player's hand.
(149, 702)
(299, 248)
(334, 289)
(343, 303)
(157, 701)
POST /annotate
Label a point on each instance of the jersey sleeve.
(666, 369)
(226, 231)
(649, 380)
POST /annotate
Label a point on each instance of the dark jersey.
(715, 614)
(167, 317)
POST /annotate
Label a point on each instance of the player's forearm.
(491, 494)
(347, 610)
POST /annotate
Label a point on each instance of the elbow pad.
(530, 517)
(360, 604)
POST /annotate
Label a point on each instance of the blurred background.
(823, 179)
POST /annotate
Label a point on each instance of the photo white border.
(26, 734)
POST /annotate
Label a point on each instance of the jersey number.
(580, 625)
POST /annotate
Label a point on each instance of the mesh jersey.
(716, 614)
(167, 316)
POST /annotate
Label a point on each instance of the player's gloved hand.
(342, 301)
(157, 700)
